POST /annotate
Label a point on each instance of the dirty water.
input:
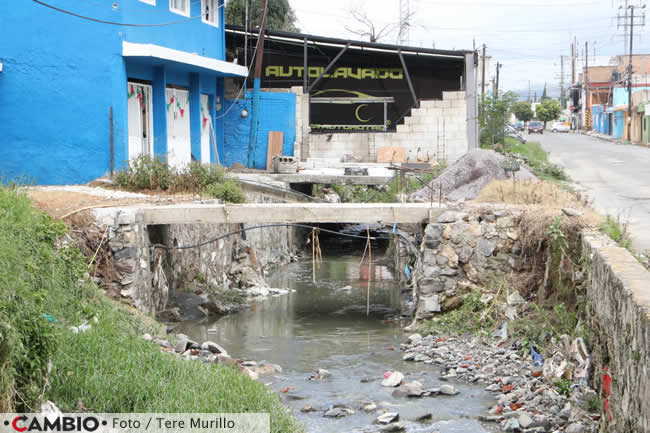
(324, 325)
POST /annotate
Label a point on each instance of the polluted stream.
(323, 325)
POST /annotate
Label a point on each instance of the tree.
(523, 111)
(366, 28)
(545, 94)
(280, 15)
(494, 116)
(548, 110)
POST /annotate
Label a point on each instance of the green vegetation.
(523, 111)
(228, 191)
(109, 368)
(154, 174)
(280, 15)
(472, 317)
(563, 387)
(387, 193)
(494, 115)
(548, 110)
(617, 231)
(594, 404)
(537, 159)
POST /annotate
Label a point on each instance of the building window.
(181, 7)
(210, 11)
(149, 2)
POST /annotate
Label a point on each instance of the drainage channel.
(323, 325)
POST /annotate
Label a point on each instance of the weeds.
(471, 317)
(147, 173)
(594, 404)
(388, 193)
(617, 231)
(563, 387)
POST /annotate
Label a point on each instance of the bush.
(145, 172)
(197, 176)
(227, 191)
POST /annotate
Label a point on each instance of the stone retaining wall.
(619, 305)
(461, 250)
(230, 262)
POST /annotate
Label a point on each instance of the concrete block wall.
(437, 129)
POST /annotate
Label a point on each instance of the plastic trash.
(407, 272)
(49, 318)
(538, 361)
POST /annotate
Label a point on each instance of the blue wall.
(277, 113)
(62, 74)
(620, 94)
(619, 124)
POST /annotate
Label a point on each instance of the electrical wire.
(302, 194)
(211, 241)
(250, 68)
(113, 23)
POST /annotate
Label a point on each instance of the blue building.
(88, 85)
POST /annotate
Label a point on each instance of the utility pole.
(586, 107)
(562, 94)
(629, 78)
(496, 90)
(483, 72)
(574, 48)
(252, 138)
(529, 91)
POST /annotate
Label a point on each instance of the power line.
(113, 23)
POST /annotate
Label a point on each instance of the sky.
(526, 36)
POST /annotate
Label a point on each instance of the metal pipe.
(408, 79)
(112, 145)
(329, 67)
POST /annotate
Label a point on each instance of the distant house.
(82, 94)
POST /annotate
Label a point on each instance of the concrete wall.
(277, 113)
(437, 129)
(61, 74)
(619, 303)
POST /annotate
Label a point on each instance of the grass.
(543, 197)
(109, 368)
(537, 159)
(145, 173)
(617, 231)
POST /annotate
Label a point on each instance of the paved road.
(616, 177)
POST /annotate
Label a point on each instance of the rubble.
(524, 400)
(464, 179)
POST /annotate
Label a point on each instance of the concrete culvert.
(464, 179)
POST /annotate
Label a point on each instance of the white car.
(560, 127)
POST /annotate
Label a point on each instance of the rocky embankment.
(531, 394)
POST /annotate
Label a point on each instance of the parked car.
(560, 127)
(519, 126)
(535, 127)
(512, 132)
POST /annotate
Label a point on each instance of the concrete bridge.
(382, 213)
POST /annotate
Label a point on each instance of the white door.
(140, 117)
(179, 147)
(206, 122)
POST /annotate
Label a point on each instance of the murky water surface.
(324, 325)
